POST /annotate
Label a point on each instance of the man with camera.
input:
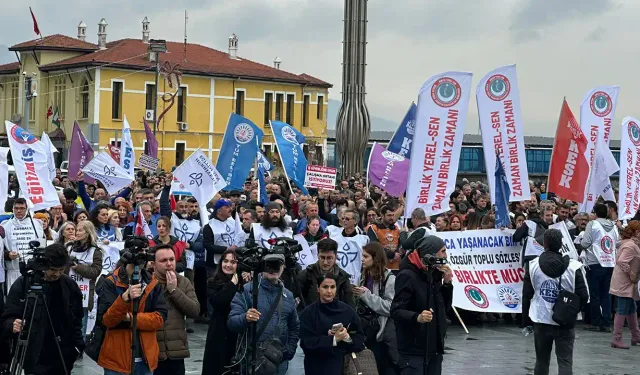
(118, 294)
(18, 232)
(423, 290)
(64, 300)
(275, 316)
(182, 302)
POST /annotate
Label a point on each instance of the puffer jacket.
(172, 338)
(289, 323)
(88, 270)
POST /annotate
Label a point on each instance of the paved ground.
(488, 350)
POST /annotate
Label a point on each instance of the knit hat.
(553, 240)
(272, 206)
(222, 203)
(41, 216)
(429, 245)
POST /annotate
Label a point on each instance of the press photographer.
(275, 315)
(62, 325)
(423, 289)
(130, 304)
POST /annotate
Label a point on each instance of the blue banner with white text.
(289, 142)
(263, 167)
(401, 141)
(238, 151)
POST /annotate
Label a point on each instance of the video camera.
(37, 264)
(134, 251)
(251, 257)
(431, 260)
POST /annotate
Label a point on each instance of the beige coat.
(624, 282)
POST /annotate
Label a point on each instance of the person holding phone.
(329, 329)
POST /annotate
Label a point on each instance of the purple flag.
(388, 171)
(80, 154)
(152, 142)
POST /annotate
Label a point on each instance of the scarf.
(414, 258)
(162, 279)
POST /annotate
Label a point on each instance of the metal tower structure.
(353, 122)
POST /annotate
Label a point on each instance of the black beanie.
(553, 240)
(429, 245)
(272, 206)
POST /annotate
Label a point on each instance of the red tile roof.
(10, 68)
(56, 42)
(315, 81)
(201, 60)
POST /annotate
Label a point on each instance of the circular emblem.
(497, 87)
(446, 92)
(389, 237)
(289, 134)
(22, 136)
(634, 133)
(607, 244)
(601, 104)
(243, 133)
(549, 291)
(411, 127)
(476, 296)
(509, 297)
(392, 156)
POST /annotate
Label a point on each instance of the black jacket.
(208, 240)
(220, 346)
(308, 281)
(415, 294)
(65, 306)
(523, 232)
(553, 264)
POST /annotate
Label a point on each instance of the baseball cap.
(222, 203)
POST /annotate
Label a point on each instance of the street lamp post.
(156, 46)
(30, 94)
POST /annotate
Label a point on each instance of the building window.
(305, 110)
(116, 101)
(332, 155)
(291, 99)
(240, 103)
(15, 98)
(180, 148)
(320, 108)
(472, 160)
(279, 106)
(59, 92)
(182, 105)
(150, 96)
(268, 100)
(538, 161)
(84, 98)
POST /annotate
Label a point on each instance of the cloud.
(596, 35)
(6, 56)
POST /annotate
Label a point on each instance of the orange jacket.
(115, 353)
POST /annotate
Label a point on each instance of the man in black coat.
(423, 289)
(64, 299)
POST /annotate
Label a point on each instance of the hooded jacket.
(553, 264)
(587, 240)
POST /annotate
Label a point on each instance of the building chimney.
(82, 31)
(145, 30)
(102, 34)
(276, 63)
(233, 46)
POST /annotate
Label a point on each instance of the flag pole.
(369, 163)
(564, 100)
(280, 155)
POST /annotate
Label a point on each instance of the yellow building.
(98, 84)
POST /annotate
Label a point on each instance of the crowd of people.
(379, 283)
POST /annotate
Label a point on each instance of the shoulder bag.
(369, 318)
(566, 308)
(363, 363)
(270, 351)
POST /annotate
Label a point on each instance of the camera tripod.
(34, 292)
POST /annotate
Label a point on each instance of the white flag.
(127, 154)
(305, 257)
(4, 177)
(596, 115)
(443, 103)
(502, 129)
(104, 169)
(200, 178)
(629, 169)
(50, 158)
(30, 159)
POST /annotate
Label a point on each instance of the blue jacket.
(90, 204)
(289, 323)
(302, 225)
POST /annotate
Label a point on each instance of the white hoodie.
(18, 234)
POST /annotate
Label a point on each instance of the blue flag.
(289, 142)
(238, 151)
(502, 196)
(403, 137)
(263, 167)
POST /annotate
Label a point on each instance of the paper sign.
(148, 163)
(320, 177)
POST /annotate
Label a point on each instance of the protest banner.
(568, 247)
(630, 169)
(307, 256)
(388, 171)
(487, 274)
(148, 163)
(110, 257)
(320, 177)
(502, 128)
(104, 169)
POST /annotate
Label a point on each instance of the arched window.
(84, 96)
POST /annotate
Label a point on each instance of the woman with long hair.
(324, 346)
(163, 224)
(624, 285)
(67, 233)
(220, 346)
(45, 219)
(374, 294)
(81, 215)
(124, 210)
(473, 221)
(312, 232)
(114, 221)
(86, 261)
(100, 219)
(455, 223)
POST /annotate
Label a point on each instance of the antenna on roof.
(186, 18)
